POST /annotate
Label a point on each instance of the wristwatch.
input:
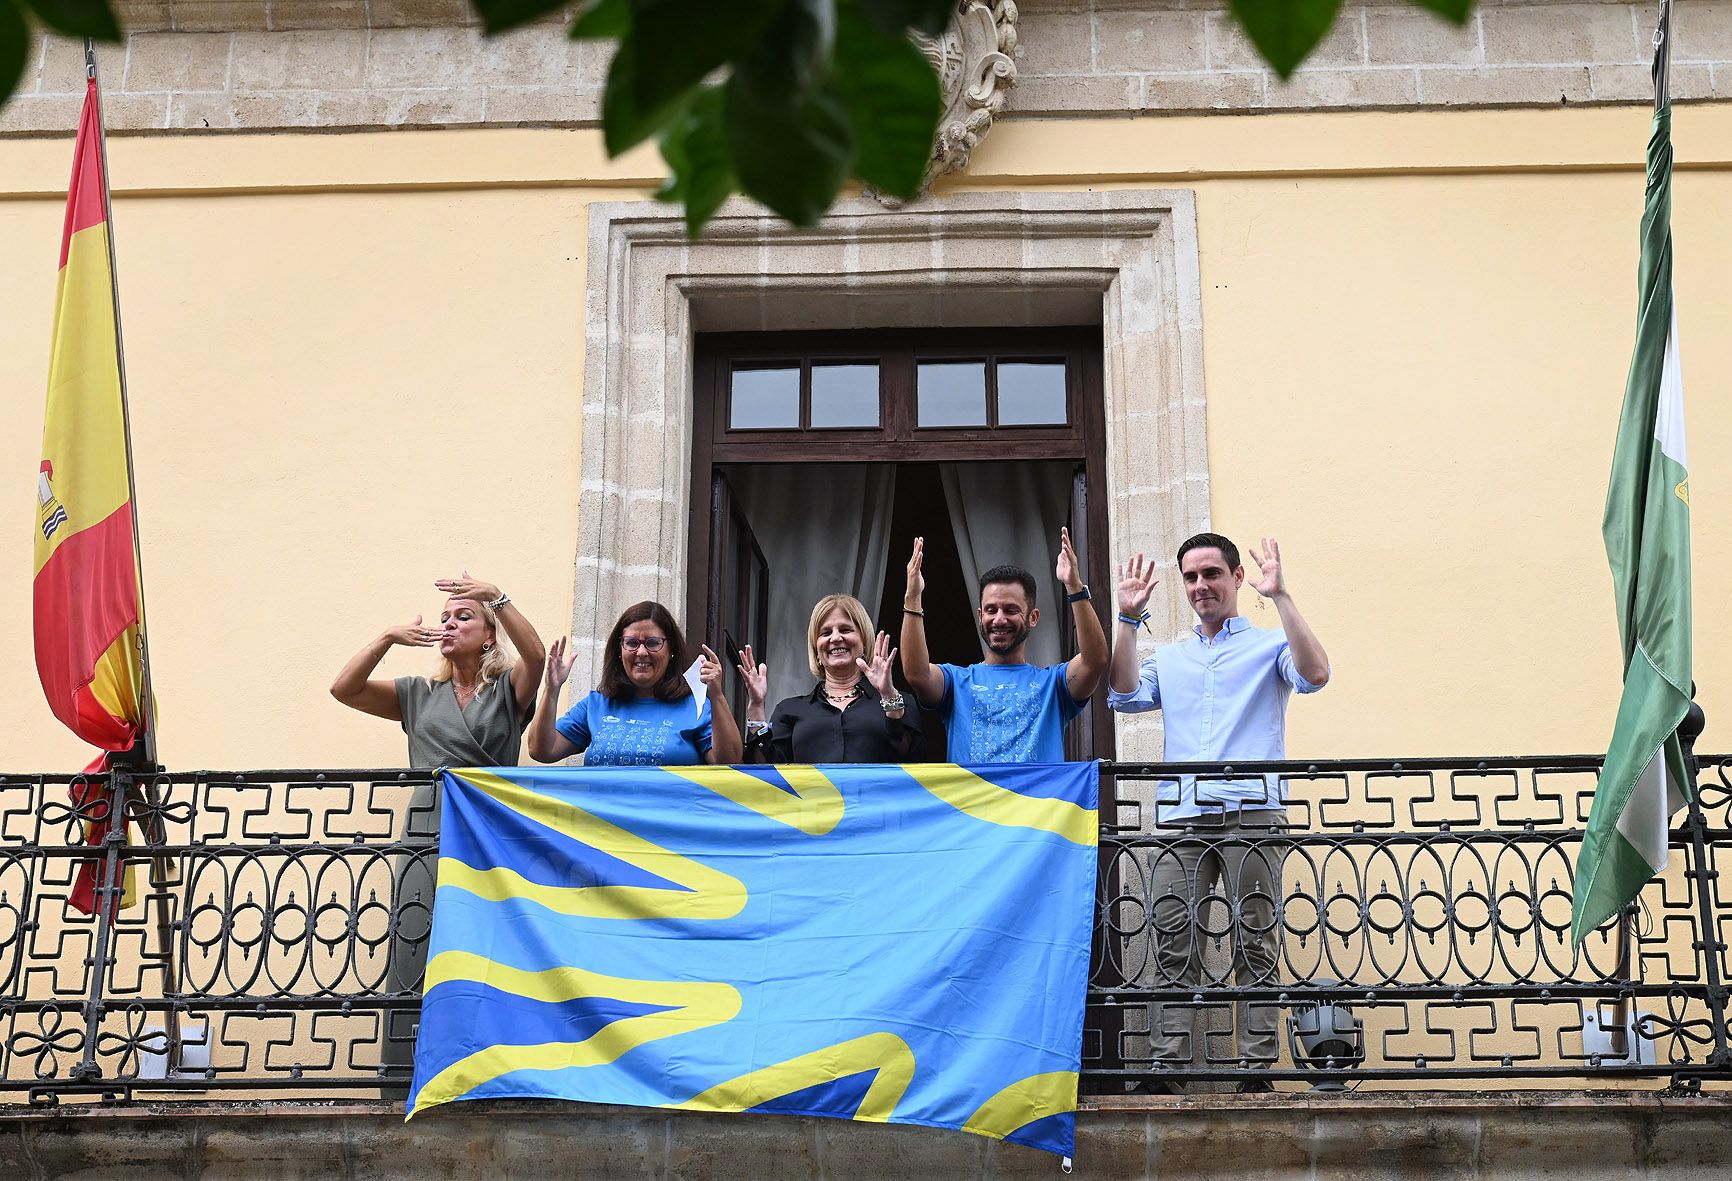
(1079, 596)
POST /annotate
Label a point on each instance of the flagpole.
(1623, 1038)
(156, 827)
(148, 703)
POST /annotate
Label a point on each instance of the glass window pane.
(845, 395)
(1030, 393)
(951, 393)
(765, 398)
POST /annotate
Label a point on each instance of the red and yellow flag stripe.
(86, 581)
(86, 587)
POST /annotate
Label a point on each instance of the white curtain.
(824, 529)
(1010, 514)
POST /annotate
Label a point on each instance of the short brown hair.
(615, 685)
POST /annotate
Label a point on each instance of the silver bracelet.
(892, 704)
(496, 604)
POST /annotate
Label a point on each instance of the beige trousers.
(1246, 859)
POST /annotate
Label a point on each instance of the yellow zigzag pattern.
(886, 1053)
(815, 807)
(967, 792)
(1023, 1102)
(696, 1006)
(708, 894)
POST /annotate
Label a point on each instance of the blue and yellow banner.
(895, 944)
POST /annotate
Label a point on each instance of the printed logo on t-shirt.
(1002, 721)
(633, 742)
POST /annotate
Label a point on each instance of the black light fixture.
(1325, 1036)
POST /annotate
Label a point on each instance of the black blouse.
(810, 730)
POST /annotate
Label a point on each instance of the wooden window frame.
(897, 440)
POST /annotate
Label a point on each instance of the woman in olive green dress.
(471, 712)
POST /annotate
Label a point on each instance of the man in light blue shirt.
(1222, 692)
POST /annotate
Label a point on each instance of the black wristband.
(1078, 597)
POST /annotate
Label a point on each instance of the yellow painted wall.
(356, 365)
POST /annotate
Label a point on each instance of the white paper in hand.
(699, 691)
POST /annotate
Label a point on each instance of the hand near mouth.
(413, 635)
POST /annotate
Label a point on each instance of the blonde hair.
(495, 662)
(854, 609)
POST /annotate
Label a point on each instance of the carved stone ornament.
(975, 59)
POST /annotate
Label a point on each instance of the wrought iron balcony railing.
(1416, 911)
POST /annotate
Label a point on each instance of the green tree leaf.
(892, 99)
(893, 17)
(1455, 12)
(1285, 31)
(681, 42)
(793, 155)
(499, 15)
(795, 52)
(77, 18)
(625, 123)
(14, 48)
(602, 19)
(700, 170)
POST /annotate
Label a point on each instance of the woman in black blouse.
(854, 714)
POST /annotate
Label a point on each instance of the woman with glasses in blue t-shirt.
(641, 713)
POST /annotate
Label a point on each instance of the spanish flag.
(86, 591)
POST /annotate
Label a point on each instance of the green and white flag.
(1647, 531)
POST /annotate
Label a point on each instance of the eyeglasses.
(648, 644)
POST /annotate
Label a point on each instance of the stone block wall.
(198, 65)
(1290, 1136)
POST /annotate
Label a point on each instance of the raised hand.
(755, 677)
(1136, 581)
(878, 672)
(1270, 581)
(1069, 569)
(412, 635)
(559, 664)
(710, 673)
(916, 579)
(468, 588)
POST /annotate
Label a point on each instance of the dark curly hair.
(615, 685)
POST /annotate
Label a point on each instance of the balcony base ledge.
(1585, 1135)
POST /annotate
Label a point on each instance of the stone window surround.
(1126, 260)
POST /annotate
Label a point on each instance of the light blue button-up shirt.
(1222, 700)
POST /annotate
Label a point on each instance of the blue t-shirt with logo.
(1006, 713)
(641, 732)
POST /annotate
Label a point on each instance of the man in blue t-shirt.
(1005, 710)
